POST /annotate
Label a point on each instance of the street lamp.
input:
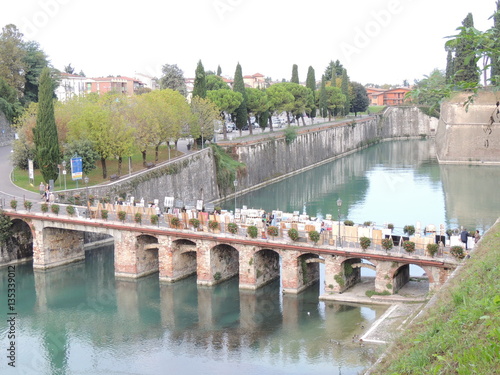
(86, 180)
(64, 172)
(235, 183)
(339, 204)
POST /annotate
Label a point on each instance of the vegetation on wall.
(5, 227)
(227, 169)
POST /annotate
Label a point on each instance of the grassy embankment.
(460, 333)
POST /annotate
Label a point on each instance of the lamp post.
(64, 172)
(86, 180)
(339, 204)
(235, 183)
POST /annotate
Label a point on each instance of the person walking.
(477, 237)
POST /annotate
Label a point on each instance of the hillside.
(459, 333)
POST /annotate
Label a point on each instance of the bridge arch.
(224, 263)
(266, 264)
(20, 244)
(308, 270)
(184, 261)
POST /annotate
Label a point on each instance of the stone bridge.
(140, 250)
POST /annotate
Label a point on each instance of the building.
(72, 85)
(382, 97)
(256, 81)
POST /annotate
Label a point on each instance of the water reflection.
(79, 318)
(397, 182)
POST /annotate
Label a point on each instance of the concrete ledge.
(59, 263)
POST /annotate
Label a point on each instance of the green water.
(81, 320)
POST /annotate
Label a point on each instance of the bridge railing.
(326, 239)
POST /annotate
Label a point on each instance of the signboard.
(31, 170)
(178, 203)
(168, 202)
(199, 204)
(76, 168)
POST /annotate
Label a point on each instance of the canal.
(79, 319)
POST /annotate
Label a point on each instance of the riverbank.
(457, 333)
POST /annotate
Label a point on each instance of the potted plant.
(28, 205)
(409, 246)
(13, 204)
(252, 231)
(195, 223)
(154, 219)
(44, 207)
(365, 242)
(314, 236)
(175, 222)
(349, 223)
(55, 209)
(387, 244)
(432, 249)
(293, 234)
(138, 217)
(122, 215)
(272, 231)
(213, 225)
(70, 210)
(457, 251)
(232, 228)
(104, 214)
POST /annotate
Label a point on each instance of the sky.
(377, 41)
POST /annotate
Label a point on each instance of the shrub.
(138, 217)
(28, 205)
(365, 242)
(44, 207)
(409, 246)
(194, 222)
(457, 251)
(104, 214)
(175, 222)
(55, 209)
(154, 219)
(367, 223)
(273, 231)
(409, 229)
(290, 135)
(70, 210)
(432, 249)
(122, 215)
(387, 244)
(232, 228)
(349, 223)
(293, 234)
(252, 231)
(314, 236)
(13, 204)
(217, 276)
(213, 224)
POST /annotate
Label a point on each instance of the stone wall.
(469, 134)
(20, 246)
(267, 159)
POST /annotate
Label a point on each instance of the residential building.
(395, 96)
(256, 81)
(72, 85)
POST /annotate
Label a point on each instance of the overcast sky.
(378, 41)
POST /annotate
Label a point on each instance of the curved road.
(7, 187)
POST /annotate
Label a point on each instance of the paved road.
(7, 188)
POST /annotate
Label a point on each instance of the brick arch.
(266, 266)
(395, 272)
(20, 244)
(308, 269)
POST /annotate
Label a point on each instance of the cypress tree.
(295, 74)
(495, 58)
(449, 67)
(323, 99)
(219, 70)
(465, 66)
(200, 83)
(311, 84)
(45, 131)
(239, 86)
(345, 90)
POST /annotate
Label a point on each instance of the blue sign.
(76, 168)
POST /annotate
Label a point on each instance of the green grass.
(460, 334)
(20, 177)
